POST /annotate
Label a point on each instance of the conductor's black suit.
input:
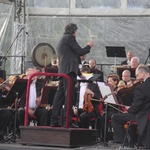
(68, 51)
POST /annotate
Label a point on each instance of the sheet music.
(83, 87)
(105, 90)
(87, 76)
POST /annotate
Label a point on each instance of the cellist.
(87, 108)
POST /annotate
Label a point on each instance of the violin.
(87, 106)
(128, 88)
(1, 80)
(4, 86)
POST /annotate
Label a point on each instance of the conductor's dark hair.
(70, 28)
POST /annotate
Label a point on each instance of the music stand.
(19, 87)
(15, 93)
(115, 51)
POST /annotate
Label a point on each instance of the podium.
(115, 51)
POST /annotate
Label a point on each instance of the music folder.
(19, 87)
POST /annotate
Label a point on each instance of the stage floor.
(18, 146)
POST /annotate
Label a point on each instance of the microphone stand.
(147, 59)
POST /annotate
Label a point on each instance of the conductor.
(69, 52)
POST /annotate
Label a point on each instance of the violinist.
(88, 108)
(125, 93)
(138, 111)
(112, 80)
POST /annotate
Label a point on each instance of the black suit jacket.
(141, 109)
(124, 62)
(68, 51)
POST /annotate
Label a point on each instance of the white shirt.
(32, 96)
(129, 63)
(83, 87)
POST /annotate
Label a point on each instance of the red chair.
(127, 127)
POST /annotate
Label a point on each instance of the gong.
(42, 55)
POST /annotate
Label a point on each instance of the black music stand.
(13, 96)
(115, 51)
(19, 87)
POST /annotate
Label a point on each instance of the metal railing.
(68, 95)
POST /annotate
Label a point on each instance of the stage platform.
(58, 136)
(48, 138)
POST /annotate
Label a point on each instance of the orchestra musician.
(93, 69)
(41, 113)
(127, 62)
(139, 111)
(87, 108)
(5, 88)
(6, 115)
(83, 61)
(126, 76)
(135, 61)
(112, 81)
(123, 91)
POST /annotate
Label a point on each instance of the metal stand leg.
(15, 119)
(105, 127)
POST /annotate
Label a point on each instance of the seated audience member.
(128, 60)
(138, 111)
(41, 113)
(5, 118)
(135, 62)
(94, 70)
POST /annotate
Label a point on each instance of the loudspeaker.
(3, 74)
